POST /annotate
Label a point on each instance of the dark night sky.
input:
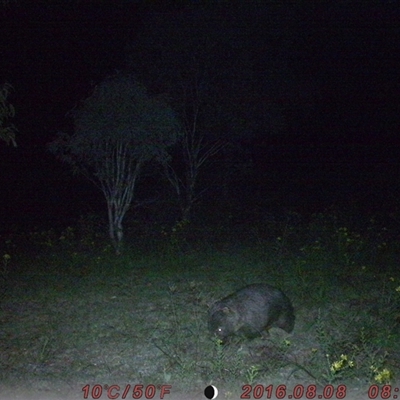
(339, 86)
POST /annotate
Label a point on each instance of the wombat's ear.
(226, 310)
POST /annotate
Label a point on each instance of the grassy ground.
(73, 314)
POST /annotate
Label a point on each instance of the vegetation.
(72, 311)
(118, 129)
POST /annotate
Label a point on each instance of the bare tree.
(194, 148)
(118, 129)
(197, 101)
(7, 133)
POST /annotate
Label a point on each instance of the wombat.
(251, 310)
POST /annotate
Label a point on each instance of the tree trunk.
(116, 230)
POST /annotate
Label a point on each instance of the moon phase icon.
(211, 392)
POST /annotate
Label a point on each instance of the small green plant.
(89, 230)
(5, 270)
(228, 361)
(348, 246)
(339, 368)
(44, 351)
(177, 234)
(381, 375)
(44, 238)
(251, 374)
(67, 235)
(374, 364)
(218, 360)
(286, 230)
